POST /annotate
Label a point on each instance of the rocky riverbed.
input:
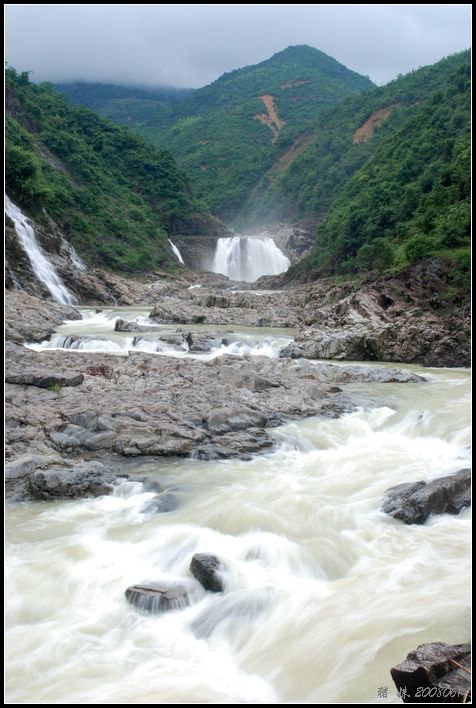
(192, 445)
(64, 407)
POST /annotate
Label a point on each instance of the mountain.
(117, 198)
(126, 105)
(228, 134)
(304, 181)
(410, 198)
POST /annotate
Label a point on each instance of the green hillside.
(411, 198)
(117, 198)
(126, 105)
(228, 134)
(339, 143)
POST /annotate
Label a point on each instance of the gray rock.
(125, 326)
(160, 596)
(291, 351)
(161, 503)
(331, 373)
(207, 570)
(30, 319)
(413, 503)
(86, 479)
(44, 378)
(432, 673)
(228, 418)
(18, 470)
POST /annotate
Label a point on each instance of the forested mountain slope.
(114, 196)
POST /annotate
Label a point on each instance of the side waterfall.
(248, 258)
(176, 252)
(41, 266)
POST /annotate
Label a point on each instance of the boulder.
(435, 673)
(86, 479)
(160, 596)
(207, 570)
(160, 504)
(44, 378)
(414, 502)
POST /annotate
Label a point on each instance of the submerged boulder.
(160, 596)
(414, 502)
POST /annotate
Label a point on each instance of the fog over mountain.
(191, 45)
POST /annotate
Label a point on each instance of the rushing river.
(324, 593)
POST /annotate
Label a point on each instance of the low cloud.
(191, 45)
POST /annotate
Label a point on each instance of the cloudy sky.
(191, 45)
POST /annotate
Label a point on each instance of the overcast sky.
(191, 45)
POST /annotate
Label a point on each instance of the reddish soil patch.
(366, 131)
(299, 145)
(271, 119)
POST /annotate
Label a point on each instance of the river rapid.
(323, 592)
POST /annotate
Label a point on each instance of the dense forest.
(411, 198)
(339, 144)
(384, 171)
(116, 197)
(223, 135)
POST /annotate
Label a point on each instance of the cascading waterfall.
(78, 262)
(41, 266)
(176, 252)
(248, 258)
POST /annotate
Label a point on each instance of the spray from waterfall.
(41, 266)
(248, 258)
(176, 252)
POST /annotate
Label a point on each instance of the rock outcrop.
(435, 673)
(413, 503)
(29, 319)
(412, 316)
(86, 479)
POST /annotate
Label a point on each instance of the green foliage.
(418, 247)
(116, 196)
(55, 387)
(411, 197)
(375, 255)
(214, 133)
(315, 178)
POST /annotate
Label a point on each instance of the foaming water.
(323, 592)
(95, 333)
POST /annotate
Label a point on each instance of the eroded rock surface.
(413, 503)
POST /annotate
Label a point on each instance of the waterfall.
(77, 262)
(248, 258)
(176, 252)
(42, 268)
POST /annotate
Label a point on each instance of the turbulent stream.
(324, 593)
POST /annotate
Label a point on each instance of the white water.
(78, 262)
(42, 268)
(176, 252)
(97, 335)
(247, 258)
(324, 593)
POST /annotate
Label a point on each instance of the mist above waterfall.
(248, 258)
